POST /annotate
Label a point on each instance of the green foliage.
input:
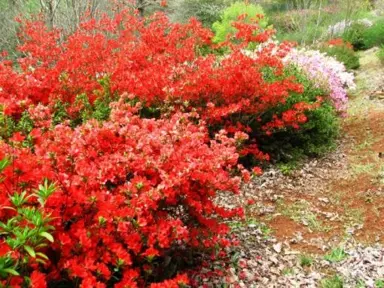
(307, 22)
(287, 168)
(336, 255)
(355, 35)
(300, 4)
(316, 137)
(374, 36)
(28, 231)
(308, 35)
(60, 112)
(98, 110)
(380, 54)
(7, 125)
(25, 124)
(333, 282)
(344, 55)
(223, 27)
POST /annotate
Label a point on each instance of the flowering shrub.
(315, 135)
(157, 62)
(326, 72)
(343, 52)
(136, 130)
(338, 42)
(128, 190)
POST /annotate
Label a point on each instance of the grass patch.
(336, 255)
(358, 169)
(300, 213)
(354, 216)
(287, 168)
(288, 271)
(333, 282)
(380, 54)
(336, 198)
(253, 223)
(305, 261)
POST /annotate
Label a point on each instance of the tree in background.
(206, 11)
(9, 10)
(224, 27)
(63, 14)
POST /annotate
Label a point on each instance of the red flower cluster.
(292, 118)
(339, 42)
(129, 189)
(156, 61)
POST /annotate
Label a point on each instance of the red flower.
(17, 137)
(38, 280)
(257, 171)
(4, 248)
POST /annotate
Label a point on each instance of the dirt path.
(327, 218)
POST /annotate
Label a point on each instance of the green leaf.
(42, 255)
(41, 261)
(11, 271)
(4, 163)
(41, 245)
(47, 236)
(30, 251)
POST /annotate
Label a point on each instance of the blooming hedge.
(127, 190)
(158, 62)
(115, 140)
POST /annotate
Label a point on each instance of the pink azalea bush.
(326, 72)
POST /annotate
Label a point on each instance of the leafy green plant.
(287, 168)
(354, 34)
(345, 55)
(333, 282)
(316, 137)
(223, 27)
(374, 36)
(336, 255)
(27, 232)
(379, 283)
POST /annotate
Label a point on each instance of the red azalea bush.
(130, 191)
(157, 61)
